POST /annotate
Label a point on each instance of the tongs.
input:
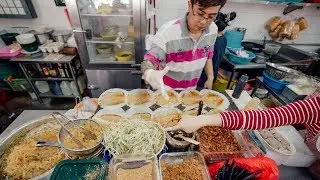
(87, 133)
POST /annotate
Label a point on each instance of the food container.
(131, 163)
(105, 50)
(272, 49)
(80, 169)
(9, 38)
(123, 56)
(110, 33)
(212, 156)
(176, 145)
(277, 85)
(61, 36)
(28, 42)
(267, 145)
(179, 158)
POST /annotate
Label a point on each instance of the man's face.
(200, 17)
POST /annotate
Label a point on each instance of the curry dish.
(139, 97)
(212, 100)
(173, 99)
(191, 98)
(112, 98)
(168, 119)
(79, 134)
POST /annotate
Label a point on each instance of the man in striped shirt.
(306, 112)
(183, 47)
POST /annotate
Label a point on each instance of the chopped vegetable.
(134, 137)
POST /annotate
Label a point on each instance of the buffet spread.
(128, 131)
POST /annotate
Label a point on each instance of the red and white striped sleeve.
(299, 112)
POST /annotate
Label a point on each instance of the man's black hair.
(209, 3)
(222, 20)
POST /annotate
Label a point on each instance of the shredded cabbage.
(134, 137)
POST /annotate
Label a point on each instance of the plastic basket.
(19, 85)
(276, 85)
(238, 59)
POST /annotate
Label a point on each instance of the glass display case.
(110, 36)
(109, 32)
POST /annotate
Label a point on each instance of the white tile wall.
(251, 16)
(49, 15)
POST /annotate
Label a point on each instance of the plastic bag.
(268, 167)
(286, 29)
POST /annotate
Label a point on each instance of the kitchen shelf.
(51, 79)
(107, 15)
(100, 41)
(50, 95)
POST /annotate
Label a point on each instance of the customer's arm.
(299, 112)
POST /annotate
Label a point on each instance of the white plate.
(145, 105)
(266, 144)
(225, 104)
(163, 110)
(104, 123)
(187, 91)
(110, 91)
(170, 105)
(133, 111)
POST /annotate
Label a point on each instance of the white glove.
(155, 77)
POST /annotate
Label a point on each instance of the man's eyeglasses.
(201, 16)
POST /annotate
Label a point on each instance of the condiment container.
(131, 162)
(80, 169)
(213, 156)
(180, 157)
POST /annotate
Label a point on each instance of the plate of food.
(113, 98)
(272, 139)
(105, 117)
(190, 111)
(139, 113)
(167, 117)
(214, 99)
(140, 98)
(174, 99)
(190, 98)
(213, 111)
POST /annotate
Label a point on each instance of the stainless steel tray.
(19, 133)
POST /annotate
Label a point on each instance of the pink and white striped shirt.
(305, 112)
(172, 46)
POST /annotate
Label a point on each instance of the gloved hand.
(155, 77)
(191, 124)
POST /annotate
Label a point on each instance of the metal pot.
(63, 134)
(42, 35)
(61, 36)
